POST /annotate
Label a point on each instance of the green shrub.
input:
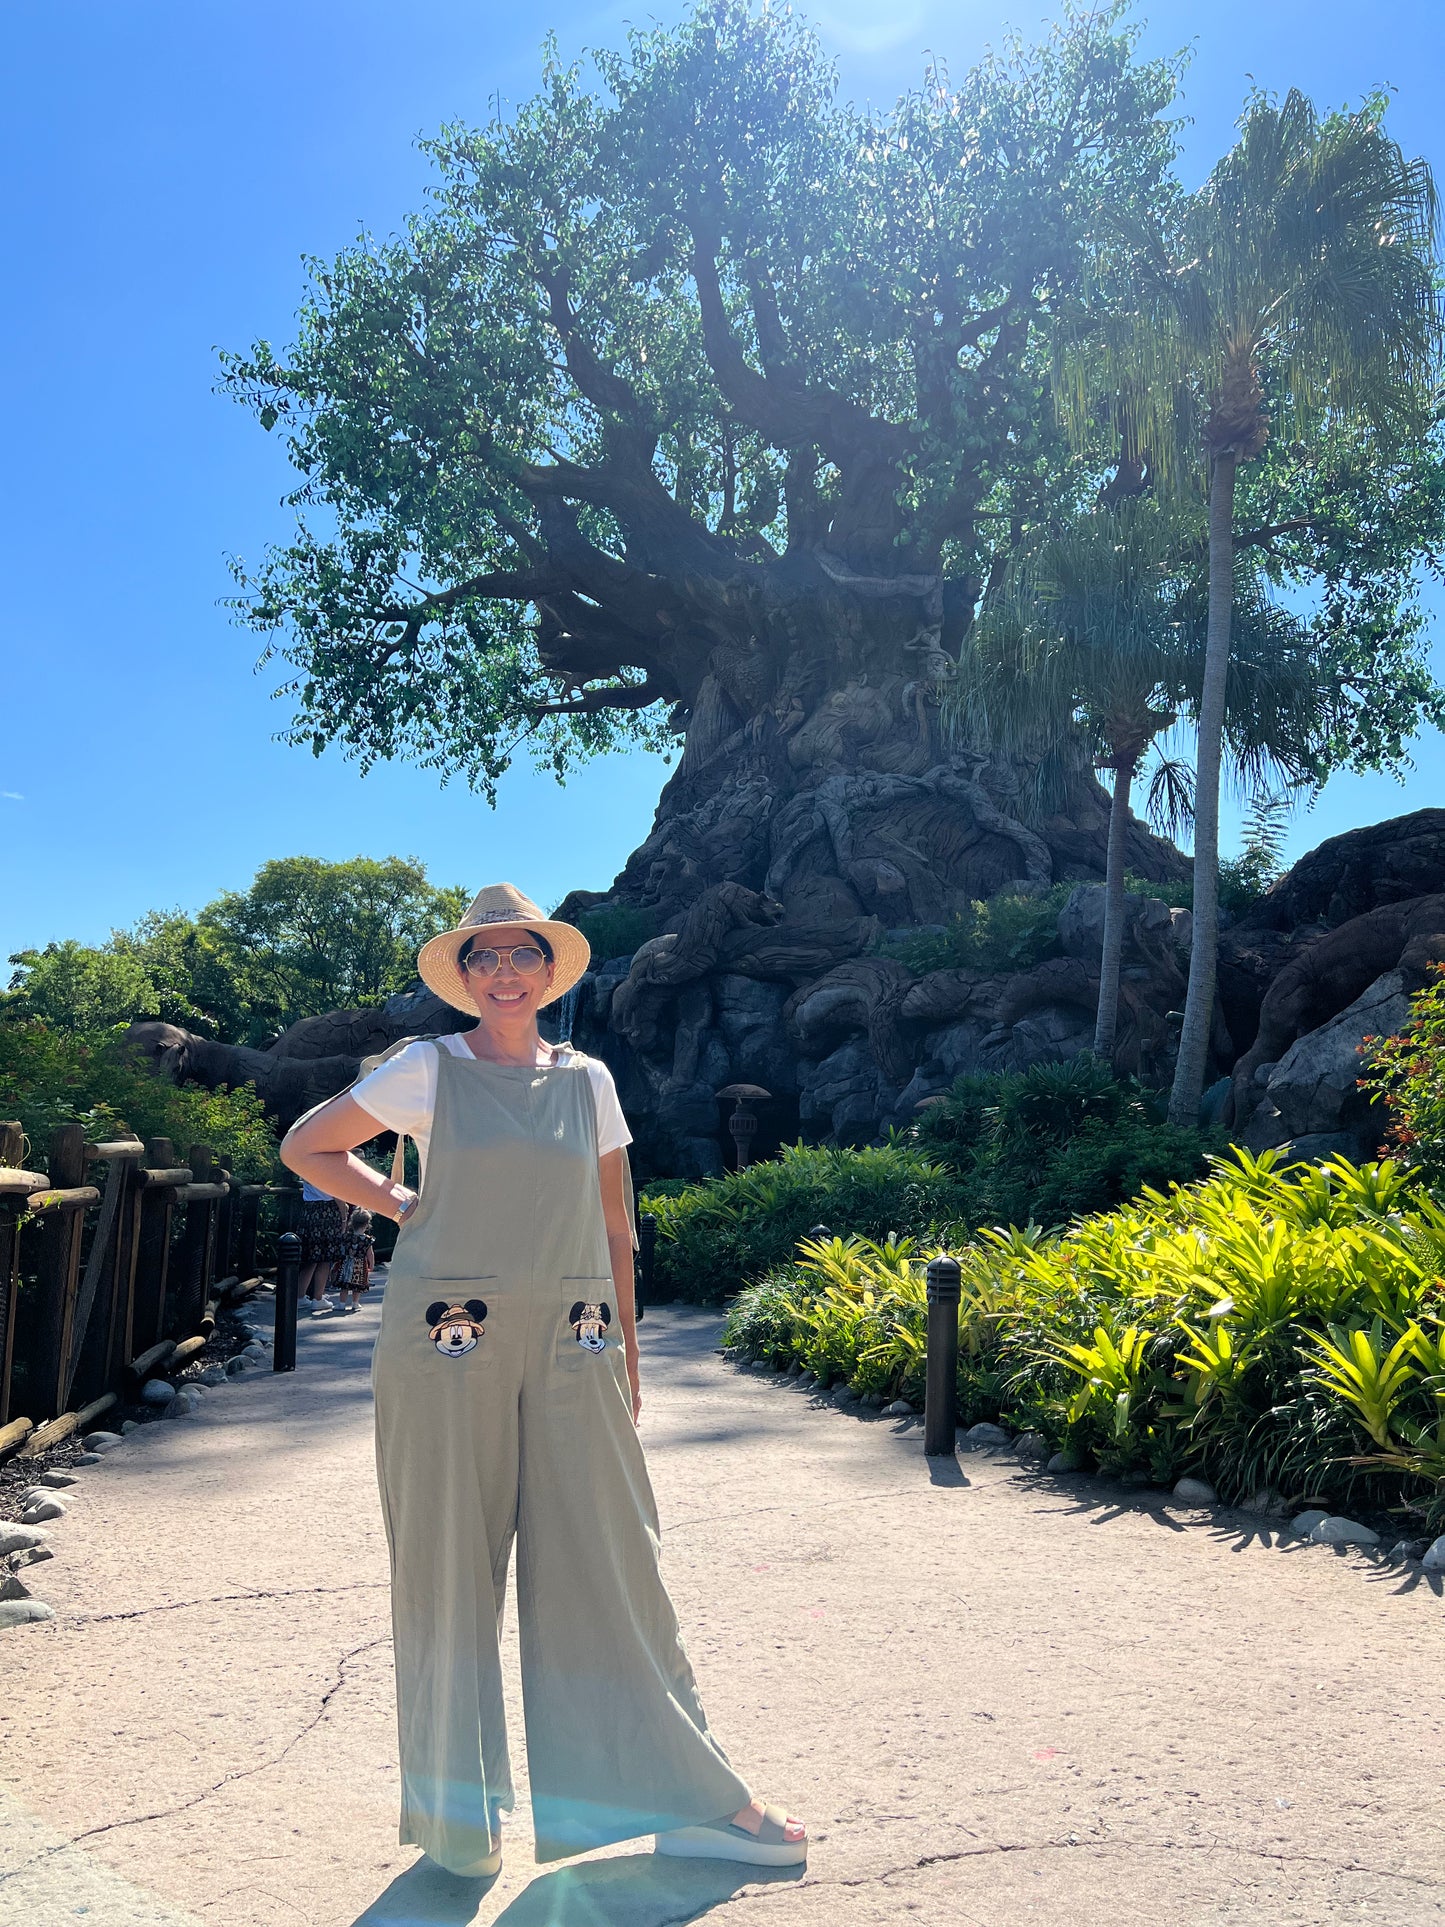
(721, 1232)
(1006, 933)
(616, 930)
(1272, 1324)
(50, 1077)
(1407, 1073)
(1054, 1142)
(1178, 895)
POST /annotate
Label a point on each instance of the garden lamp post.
(945, 1288)
(743, 1124)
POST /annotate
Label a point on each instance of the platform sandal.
(726, 1840)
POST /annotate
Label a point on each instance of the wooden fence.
(112, 1264)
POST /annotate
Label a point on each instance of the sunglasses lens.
(526, 958)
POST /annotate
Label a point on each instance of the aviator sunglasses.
(526, 960)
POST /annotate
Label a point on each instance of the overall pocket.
(588, 1325)
(454, 1315)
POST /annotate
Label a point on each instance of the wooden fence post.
(88, 1370)
(16, 1186)
(47, 1341)
(248, 1224)
(159, 1180)
(198, 1250)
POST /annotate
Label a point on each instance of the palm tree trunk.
(1203, 952)
(1107, 1021)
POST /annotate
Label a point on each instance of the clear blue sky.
(166, 166)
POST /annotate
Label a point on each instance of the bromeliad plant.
(1274, 1324)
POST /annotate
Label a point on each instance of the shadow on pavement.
(635, 1890)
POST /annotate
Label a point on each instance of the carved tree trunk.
(817, 805)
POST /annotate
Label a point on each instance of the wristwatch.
(410, 1200)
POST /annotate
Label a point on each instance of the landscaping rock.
(1032, 1447)
(129, 1425)
(254, 1350)
(900, 1408)
(1407, 1549)
(214, 1374)
(1336, 1531)
(157, 1391)
(1305, 1522)
(13, 1587)
(845, 1395)
(1268, 1502)
(19, 1612)
(238, 1365)
(101, 1441)
(1195, 1492)
(795, 1370)
(31, 1556)
(808, 1379)
(875, 1401)
(985, 1434)
(57, 1478)
(86, 1458)
(1434, 1556)
(1065, 1461)
(17, 1538)
(43, 1509)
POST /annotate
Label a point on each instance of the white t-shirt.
(402, 1093)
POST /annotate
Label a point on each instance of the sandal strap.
(773, 1831)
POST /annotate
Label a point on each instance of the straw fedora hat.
(501, 903)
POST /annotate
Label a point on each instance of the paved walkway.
(1000, 1701)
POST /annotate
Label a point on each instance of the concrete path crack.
(226, 1779)
(224, 1598)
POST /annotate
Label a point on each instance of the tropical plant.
(1299, 292)
(1271, 1324)
(1407, 1074)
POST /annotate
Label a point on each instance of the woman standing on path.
(323, 1227)
(506, 1384)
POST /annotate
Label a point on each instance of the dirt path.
(1000, 1700)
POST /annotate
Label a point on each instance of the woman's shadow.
(630, 1890)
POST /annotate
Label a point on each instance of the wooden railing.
(113, 1262)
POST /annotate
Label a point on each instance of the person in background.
(353, 1274)
(323, 1233)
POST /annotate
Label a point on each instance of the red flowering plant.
(1407, 1074)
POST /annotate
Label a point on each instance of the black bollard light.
(941, 1386)
(821, 1234)
(646, 1258)
(288, 1278)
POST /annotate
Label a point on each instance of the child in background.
(353, 1273)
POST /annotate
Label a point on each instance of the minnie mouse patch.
(456, 1329)
(590, 1322)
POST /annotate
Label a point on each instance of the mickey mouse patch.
(590, 1322)
(456, 1329)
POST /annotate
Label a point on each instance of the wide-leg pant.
(529, 1436)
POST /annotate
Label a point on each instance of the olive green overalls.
(502, 1411)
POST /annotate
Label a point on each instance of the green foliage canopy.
(307, 937)
(664, 355)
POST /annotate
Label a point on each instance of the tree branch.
(591, 701)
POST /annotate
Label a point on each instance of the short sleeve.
(401, 1093)
(612, 1131)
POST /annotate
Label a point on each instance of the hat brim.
(437, 960)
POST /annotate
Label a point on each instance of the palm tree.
(1302, 282)
(1097, 644)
